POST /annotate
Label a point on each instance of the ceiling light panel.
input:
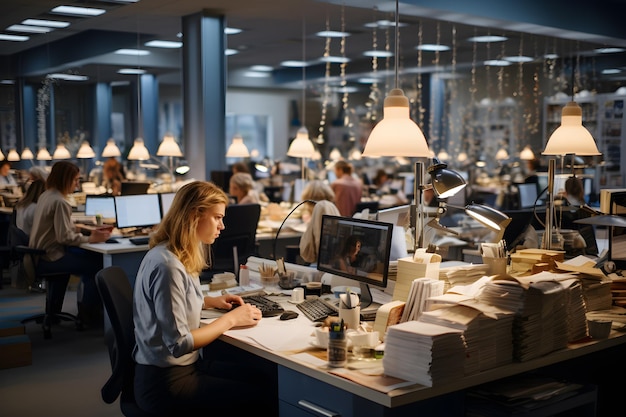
(58, 24)
(78, 11)
(29, 29)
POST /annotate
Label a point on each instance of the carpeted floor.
(67, 370)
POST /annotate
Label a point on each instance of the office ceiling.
(279, 30)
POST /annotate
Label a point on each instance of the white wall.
(273, 104)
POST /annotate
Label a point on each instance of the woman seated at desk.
(170, 375)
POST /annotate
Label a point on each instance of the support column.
(204, 93)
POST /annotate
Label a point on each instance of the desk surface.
(277, 341)
(123, 246)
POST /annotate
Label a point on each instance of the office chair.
(117, 298)
(54, 283)
(240, 223)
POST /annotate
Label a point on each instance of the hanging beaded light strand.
(326, 89)
(374, 96)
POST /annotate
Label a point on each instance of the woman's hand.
(245, 315)
(100, 234)
(224, 302)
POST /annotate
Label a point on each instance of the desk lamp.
(85, 152)
(138, 152)
(397, 135)
(61, 152)
(569, 138)
(237, 148)
(27, 155)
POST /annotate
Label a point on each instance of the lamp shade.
(169, 147)
(138, 152)
(111, 149)
(27, 154)
(1, 156)
(490, 217)
(85, 151)
(527, 154)
(396, 134)
(61, 152)
(502, 154)
(13, 155)
(43, 155)
(237, 148)
(571, 137)
(301, 146)
(446, 182)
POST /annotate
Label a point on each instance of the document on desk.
(277, 335)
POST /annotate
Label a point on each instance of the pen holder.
(351, 317)
(497, 266)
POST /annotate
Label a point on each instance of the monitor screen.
(357, 249)
(617, 234)
(166, 202)
(139, 210)
(527, 195)
(133, 187)
(103, 205)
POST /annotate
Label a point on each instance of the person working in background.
(25, 207)
(574, 191)
(5, 175)
(170, 375)
(315, 190)
(112, 176)
(241, 187)
(347, 189)
(54, 232)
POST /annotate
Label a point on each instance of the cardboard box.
(11, 328)
(15, 351)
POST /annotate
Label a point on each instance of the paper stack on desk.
(424, 353)
(462, 275)
(487, 339)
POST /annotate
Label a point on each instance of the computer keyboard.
(315, 309)
(139, 240)
(269, 308)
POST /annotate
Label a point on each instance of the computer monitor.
(527, 195)
(398, 216)
(141, 210)
(100, 205)
(166, 201)
(134, 187)
(617, 234)
(369, 265)
(515, 230)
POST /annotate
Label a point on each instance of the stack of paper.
(421, 265)
(487, 339)
(541, 326)
(462, 275)
(504, 294)
(421, 290)
(597, 294)
(424, 353)
(576, 312)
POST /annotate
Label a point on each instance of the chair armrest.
(29, 250)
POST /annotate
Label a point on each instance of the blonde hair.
(318, 190)
(179, 226)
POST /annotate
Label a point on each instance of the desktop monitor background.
(372, 263)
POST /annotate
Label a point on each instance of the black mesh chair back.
(117, 298)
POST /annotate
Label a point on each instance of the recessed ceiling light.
(135, 71)
(518, 58)
(46, 23)
(378, 54)
(14, 38)
(29, 29)
(257, 74)
(229, 52)
(608, 50)
(335, 59)
(294, 64)
(366, 80)
(261, 68)
(232, 31)
(384, 24)
(497, 63)
(609, 71)
(68, 77)
(551, 56)
(78, 11)
(430, 47)
(164, 44)
(133, 52)
(488, 38)
(7, 82)
(332, 34)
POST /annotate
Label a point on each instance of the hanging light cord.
(303, 71)
(397, 36)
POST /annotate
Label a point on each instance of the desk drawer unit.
(302, 396)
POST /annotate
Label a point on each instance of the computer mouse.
(288, 315)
